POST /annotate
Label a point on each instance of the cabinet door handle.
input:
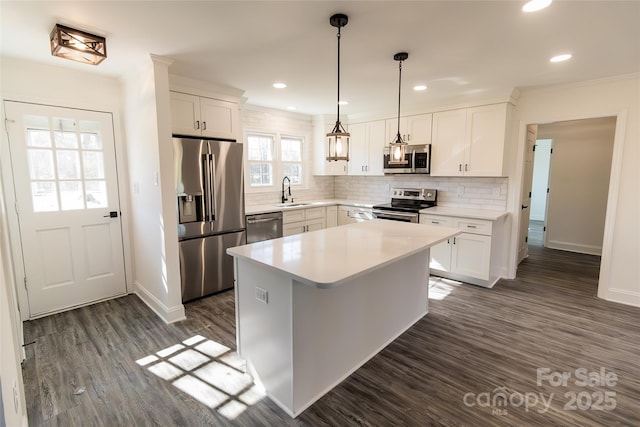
(471, 226)
(204, 125)
(454, 240)
(466, 167)
(448, 241)
(435, 222)
(197, 124)
(460, 167)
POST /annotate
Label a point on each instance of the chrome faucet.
(284, 196)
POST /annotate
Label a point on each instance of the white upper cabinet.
(469, 142)
(199, 116)
(415, 130)
(366, 147)
(321, 126)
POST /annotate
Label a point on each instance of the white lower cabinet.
(303, 220)
(351, 214)
(332, 216)
(466, 257)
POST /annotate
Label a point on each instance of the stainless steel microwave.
(418, 160)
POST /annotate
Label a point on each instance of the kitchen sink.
(290, 205)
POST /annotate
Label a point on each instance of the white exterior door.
(64, 170)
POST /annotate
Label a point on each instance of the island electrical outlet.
(262, 295)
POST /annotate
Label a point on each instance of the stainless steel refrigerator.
(210, 197)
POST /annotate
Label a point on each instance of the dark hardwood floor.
(449, 369)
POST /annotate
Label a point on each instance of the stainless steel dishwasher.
(264, 226)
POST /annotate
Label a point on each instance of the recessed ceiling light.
(560, 58)
(279, 85)
(535, 5)
(420, 87)
(291, 107)
(343, 102)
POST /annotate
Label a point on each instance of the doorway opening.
(568, 208)
(539, 191)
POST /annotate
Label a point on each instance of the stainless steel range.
(406, 204)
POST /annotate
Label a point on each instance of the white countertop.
(465, 213)
(257, 209)
(332, 256)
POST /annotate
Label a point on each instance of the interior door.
(525, 197)
(64, 171)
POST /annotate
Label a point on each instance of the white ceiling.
(463, 51)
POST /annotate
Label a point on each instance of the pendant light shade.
(338, 138)
(77, 45)
(398, 146)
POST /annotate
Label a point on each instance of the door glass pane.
(92, 165)
(38, 138)
(44, 196)
(96, 194)
(71, 195)
(40, 164)
(68, 164)
(66, 139)
(90, 141)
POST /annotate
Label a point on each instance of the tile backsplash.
(461, 192)
(320, 187)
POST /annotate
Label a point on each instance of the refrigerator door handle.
(206, 179)
(212, 181)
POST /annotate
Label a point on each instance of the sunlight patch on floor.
(440, 288)
(209, 372)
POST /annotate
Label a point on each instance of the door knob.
(112, 214)
(524, 206)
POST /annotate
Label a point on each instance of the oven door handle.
(396, 216)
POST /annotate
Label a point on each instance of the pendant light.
(397, 146)
(338, 138)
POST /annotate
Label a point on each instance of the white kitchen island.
(314, 307)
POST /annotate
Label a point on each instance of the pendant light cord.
(399, 88)
(338, 36)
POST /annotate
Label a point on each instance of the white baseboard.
(623, 296)
(167, 314)
(575, 247)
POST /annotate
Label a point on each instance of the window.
(260, 156)
(272, 157)
(66, 164)
(291, 156)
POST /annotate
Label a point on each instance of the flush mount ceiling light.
(338, 138)
(535, 5)
(77, 45)
(279, 85)
(397, 146)
(420, 87)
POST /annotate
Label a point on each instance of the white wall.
(620, 270)
(153, 213)
(579, 183)
(540, 181)
(10, 336)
